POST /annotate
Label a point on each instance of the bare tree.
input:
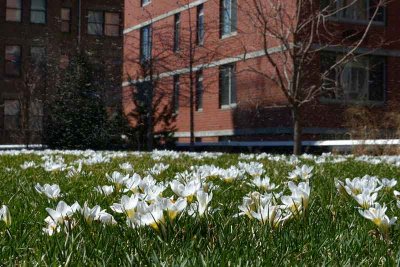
(292, 34)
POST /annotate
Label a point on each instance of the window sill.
(228, 35)
(199, 110)
(356, 22)
(228, 107)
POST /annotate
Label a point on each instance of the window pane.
(14, 4)
(38, 55)
(224, 86)
(65, 13)
(233, 85)
(112, 18)
(111, 30)
(145, 43)
(11, 107)
(377, 79)
(176, 93)
(38, 5)
(95, 29)
(13, 59)
(95, 17)
(65, 26)
(38, 17)
(13, 15)
(199, 91)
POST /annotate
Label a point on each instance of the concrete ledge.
(18, 147)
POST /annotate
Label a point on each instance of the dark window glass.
(177, 31)
(13, 60)
(145, 43)
(199, 90)
(38, 55)
(65, 20)
(38, 11)
(112, 24)
(361, 79)
(95, 22)
(14, 10)
(11, 114)
(200, 25)
(227, 89)
(175, 99)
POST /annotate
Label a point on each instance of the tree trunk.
(297, 130)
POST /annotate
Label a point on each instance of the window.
(95, 22)
(11, 114)
(104, 23)
(36, 116)
(361, 10)
(360, 80)
(145, 2)
(145, 43)
(38, 55)
(175, 100)
(200, 25)
(112, 24)
(227, 90)
(177, 31)
(199, 91)
(14, 10)
(228, 17)
(38, 11)
(65, 20)
(13, 60)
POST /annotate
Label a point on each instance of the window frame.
(17, 9)
(7, 61)
(95, 23)
(16, 116)
(149, 42)
(111, 24)
(199, 90)
(232, 21)
(176, 92)
(69, 21)
(177, 32)
(232, 89)
(39, 10)
(369, 69)
(200, 31)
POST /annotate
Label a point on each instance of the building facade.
(211, 47)
(38, 39)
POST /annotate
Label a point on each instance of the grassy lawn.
(276, 226)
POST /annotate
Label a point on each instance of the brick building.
(47, 33)
(233, 103)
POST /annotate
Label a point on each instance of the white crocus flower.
(302, 173)
(28, 164)
(366, 199)
(299, 199)
(203, 199)
(63, 212)
(96, 214)
(5, 215)
(126, 166)
(118, 179)
(264, 183)
(186, 191)
(132, 183)
(152, 215)
(50, 191)
(377, 215)
(52, 227)
(126, 206)
(388, 184)
(105, 189)
(172, 207)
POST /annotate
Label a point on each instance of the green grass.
(331, 232)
